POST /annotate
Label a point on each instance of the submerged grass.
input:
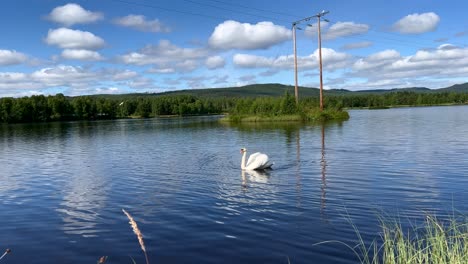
(434, 243)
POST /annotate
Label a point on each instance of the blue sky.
(122, 46)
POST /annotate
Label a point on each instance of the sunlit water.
(63, 186)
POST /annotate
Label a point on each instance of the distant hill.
(384, 91)
(254, 90)
(461, 88)
(275, 89)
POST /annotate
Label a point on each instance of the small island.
(282, 109)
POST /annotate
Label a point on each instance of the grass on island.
(310, 115)
(433, 243)
(282, 109)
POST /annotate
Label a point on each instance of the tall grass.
(435, 242)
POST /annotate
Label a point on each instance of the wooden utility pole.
(296, 89)
(319, 16)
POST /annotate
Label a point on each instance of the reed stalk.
(137, 232)
(6, 252)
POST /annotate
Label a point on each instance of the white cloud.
(186, 65)
(73, 39)
(81, 54)
(12, 77)
(357, 45)
(443, 62)
(123, 75)
(63, 75)
(109, 90)
(343, 29)
(215, 62)
(74, 80)
(218, 80)
(196, 81)
(254, 61)
(310, 30)
(163, 53)
(447, 47)
(331, 60)
(140, 22)
(417, 23)
(71, 14)
(378, 59)
(11, 57)
(162, 70)
(234, 35)
(141, 82)
(166, 57)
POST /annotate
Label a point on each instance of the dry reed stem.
(137, 232)
(6, 252)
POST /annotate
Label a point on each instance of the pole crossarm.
(321, 14)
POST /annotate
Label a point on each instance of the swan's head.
(243, 150)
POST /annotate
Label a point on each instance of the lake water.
(63, 186)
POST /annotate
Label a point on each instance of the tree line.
(40, 108)
(401, 98)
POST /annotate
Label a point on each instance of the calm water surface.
(63, 186)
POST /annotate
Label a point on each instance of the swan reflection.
(254, 176)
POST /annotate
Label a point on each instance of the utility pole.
(319, 16)
(294, 27)
(296, 91)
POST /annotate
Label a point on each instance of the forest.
(40, 108)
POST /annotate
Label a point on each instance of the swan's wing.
(252, 158)
(257, 161)
(267, 165)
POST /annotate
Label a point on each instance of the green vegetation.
(39, 108)
(268, 102)
(435, 242)
(268, 109)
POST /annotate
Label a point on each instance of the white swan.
(257, 161)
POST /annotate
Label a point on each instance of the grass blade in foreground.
(137, 232)
(6, 252)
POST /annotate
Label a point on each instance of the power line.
(258, 9)
(169, 9)
(236, 11)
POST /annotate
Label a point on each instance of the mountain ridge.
(277, 89)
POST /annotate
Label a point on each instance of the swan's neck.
(243, 160)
